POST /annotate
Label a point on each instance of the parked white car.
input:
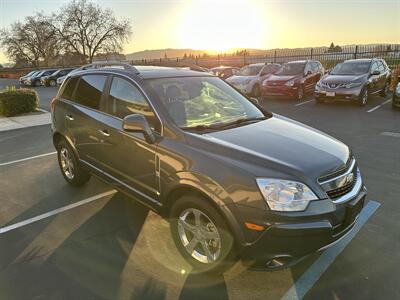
(249, 78)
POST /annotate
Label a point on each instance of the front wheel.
(385, 91)
(69, 165)
(363, 99)
(201, 235)
(52, 83)
(300, 93)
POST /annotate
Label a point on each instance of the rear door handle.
(69, 118)
(104, 132)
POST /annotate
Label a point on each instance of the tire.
(191, 238)
(300, 93)
(53, 83)
(37, 83)
(385, 91)
(69, 165)
(256, 91)
(363, 98)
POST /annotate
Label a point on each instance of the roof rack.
(103, 64)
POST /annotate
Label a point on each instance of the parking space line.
(25, 159)
(55, 212)
(301, 103)
(301, 287)
(379, 106)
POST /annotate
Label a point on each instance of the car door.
(382, 76)
(309, 77)
(127, 156)
(84, 117)
(374, 79)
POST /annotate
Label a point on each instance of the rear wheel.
(385, 91)
(201, 235)
(52, 83)
(69, 165)
(363, 98)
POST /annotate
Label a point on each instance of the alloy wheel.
(199, 236)
(67, 164)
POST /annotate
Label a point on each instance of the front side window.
(89, 91)
(126, 99)
(69, 88)
(203, 101)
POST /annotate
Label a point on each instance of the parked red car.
(293, 80)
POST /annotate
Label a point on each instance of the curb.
(33, 119)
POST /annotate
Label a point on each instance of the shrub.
(17, 101)
(395, 78)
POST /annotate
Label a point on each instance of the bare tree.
(31, 41)
(87, 29)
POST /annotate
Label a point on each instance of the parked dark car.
(354, 80)
(396, 97)
(23, 78)
(34, 80)
(233, 179)
(224, 72)
(51, 80)
(294, 79)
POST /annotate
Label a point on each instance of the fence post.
(219, 60)
(196, 60)
(355, 52)
(244, 57)
(275, 56)
(311, 54)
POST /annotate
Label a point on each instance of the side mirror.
(138, 123)
(376, 72)
(254, 101)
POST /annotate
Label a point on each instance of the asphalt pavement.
(111, 247)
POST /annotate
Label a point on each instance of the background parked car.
(35, 79)
(294, 79)
(249, 78)
(23, 78)
(51, 80)
(354, 80)
(224, 72)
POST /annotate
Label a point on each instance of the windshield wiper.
(242, 121)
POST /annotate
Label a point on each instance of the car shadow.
(204, 286)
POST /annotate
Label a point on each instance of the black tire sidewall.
(228, 253)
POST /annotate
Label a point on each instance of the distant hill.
(160, 53)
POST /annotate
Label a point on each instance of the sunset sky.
(224, 24)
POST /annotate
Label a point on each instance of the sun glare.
(222, 25)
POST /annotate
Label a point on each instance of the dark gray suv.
(234, 180)
(354, 80)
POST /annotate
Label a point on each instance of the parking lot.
(60, 242)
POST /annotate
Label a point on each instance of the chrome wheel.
(199, 236)
(67, 164)
(53, 83)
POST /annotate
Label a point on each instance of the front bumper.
(341, 94)
(289, 239)
(280, 91)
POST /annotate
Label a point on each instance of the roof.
(149, 72)
(359, 59)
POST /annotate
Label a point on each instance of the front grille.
(343, 190)
(337, 173)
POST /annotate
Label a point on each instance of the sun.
(221, 25)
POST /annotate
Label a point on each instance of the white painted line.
(306, 281)
(301, 103)
(55, 212)
(379, 106)
(25, 159)
(391, 134)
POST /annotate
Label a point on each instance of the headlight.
(290, 83)
(352, 84)
(285, 195)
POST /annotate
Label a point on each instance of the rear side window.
(69, 88)
(89, 91)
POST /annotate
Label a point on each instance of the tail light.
(53, 104)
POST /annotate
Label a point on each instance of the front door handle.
(104, 132)
(69, 118)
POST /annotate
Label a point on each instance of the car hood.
(239, 79)
(329, 78)
(281, 144)
(283, 78)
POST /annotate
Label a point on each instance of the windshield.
(291, 69)
(351, 68)
(203, 101)
(249, 70)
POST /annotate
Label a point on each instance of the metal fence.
(328, 57)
